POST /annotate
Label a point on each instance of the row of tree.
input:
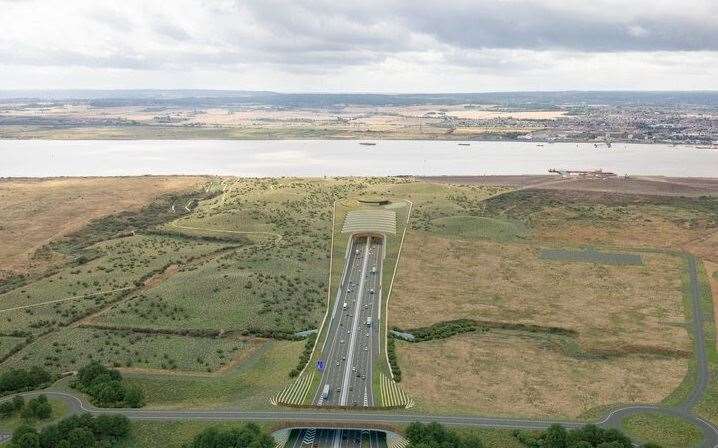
(393, 360)
(588, 436)
(77, 431)
(248, 435)
(18, 380)
(35, 409)
(304, 357)
(106, 388)
(434, 435)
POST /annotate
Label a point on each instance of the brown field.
(618, 308)
(512, 375)
(656, 185)
(33, 212)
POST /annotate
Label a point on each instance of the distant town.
(601, 117)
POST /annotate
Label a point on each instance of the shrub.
(14, 380)
(106, 388)
(80, 431)
(248, 435)
(9, 408)
(37, 408)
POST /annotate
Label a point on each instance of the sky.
(360, 46)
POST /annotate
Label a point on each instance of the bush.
(15, 380)
(435, 435)
(37, 408)
(248, 435)
(9, 408)
(393, 361)
(588, 436)
(77, 431)
(304, 357)
(106, 388)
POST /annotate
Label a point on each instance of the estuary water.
(259, 158)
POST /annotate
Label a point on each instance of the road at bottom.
(342, 438)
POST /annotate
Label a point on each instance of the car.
(337, 362)
(341, 342)
(366, 348)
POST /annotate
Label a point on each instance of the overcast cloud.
(377, 46)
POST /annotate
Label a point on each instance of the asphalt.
(356, 416)
(352, 346)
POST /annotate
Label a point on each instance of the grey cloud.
(537, 26)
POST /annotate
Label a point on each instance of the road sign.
(320, 365)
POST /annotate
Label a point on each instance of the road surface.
(352, 343)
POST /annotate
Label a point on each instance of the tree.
(81, 438)
(614, 444)
(50, 437)
(614, 435)
(108, 392)
(38, 408)
(8, 408)
(134, 397)
(25, 436)
(555, 437)
(115, 426)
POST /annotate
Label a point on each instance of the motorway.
(352, 343)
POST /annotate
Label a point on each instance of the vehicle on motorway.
(325, 392)
(344, 306)
(368, 321)
(373, 269)
(371, 291)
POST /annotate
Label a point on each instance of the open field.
(84, 121)
(248, 385)
(70, 349)
(608, 307)
(600, 327)
(35, 211)
(515, 374)
(666, 431)
(78, 289)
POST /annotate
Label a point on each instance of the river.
(42, 158)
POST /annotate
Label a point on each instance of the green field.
(70, 349)
(666, 431)
(120, 264)
(248, 385)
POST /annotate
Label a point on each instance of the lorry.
(325, 392)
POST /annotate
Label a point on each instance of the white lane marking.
(357, 312)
